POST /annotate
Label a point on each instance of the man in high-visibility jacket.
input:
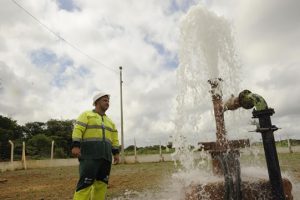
(95, 140)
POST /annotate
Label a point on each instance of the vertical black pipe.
(267, 130)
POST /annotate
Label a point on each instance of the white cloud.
(143, 37)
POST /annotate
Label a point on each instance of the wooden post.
(52, 149)
(11, 151)
(24, 157)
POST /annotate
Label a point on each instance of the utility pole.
(122, 129)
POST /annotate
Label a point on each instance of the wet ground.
(130, 181)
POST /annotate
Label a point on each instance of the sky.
(57, 54)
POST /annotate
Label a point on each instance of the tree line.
(38, 137)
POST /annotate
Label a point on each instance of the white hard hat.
(98, 95)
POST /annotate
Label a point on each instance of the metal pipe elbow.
(248, 100)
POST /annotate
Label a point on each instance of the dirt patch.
(59, 183)
(46, 183)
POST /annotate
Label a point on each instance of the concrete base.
(259, 189)
(18, 165)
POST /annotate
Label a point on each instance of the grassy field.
(59, 183)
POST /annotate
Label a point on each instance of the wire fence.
(14, 151)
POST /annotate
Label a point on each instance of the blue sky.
(46, 59)
(68, 5)
(170, 59)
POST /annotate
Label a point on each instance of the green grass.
(289, 162)
(60, 182)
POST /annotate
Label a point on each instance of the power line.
(61, 38)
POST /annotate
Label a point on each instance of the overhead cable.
(61, 38)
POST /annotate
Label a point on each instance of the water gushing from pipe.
(206, 52)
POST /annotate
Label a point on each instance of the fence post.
(52, 149)
(24, 157)
(167, 149)
(11, 151)
(160, 153)
(289, 145)
(135, 155)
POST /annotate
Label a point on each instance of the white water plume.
(206, 52)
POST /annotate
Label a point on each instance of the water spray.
(206, 51)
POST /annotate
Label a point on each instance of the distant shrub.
(60, 153)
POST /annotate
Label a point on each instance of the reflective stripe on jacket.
(97, 135)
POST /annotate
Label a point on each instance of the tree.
(39, 146)
(33, 128)
(9, 130)
(38, 135)
(61, 132)
(130, 148)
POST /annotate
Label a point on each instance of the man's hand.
(76, 152)
(116, 159)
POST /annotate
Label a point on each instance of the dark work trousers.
(91, 170)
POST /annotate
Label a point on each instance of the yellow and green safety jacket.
(96, 136)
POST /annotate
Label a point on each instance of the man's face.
(103, 103)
